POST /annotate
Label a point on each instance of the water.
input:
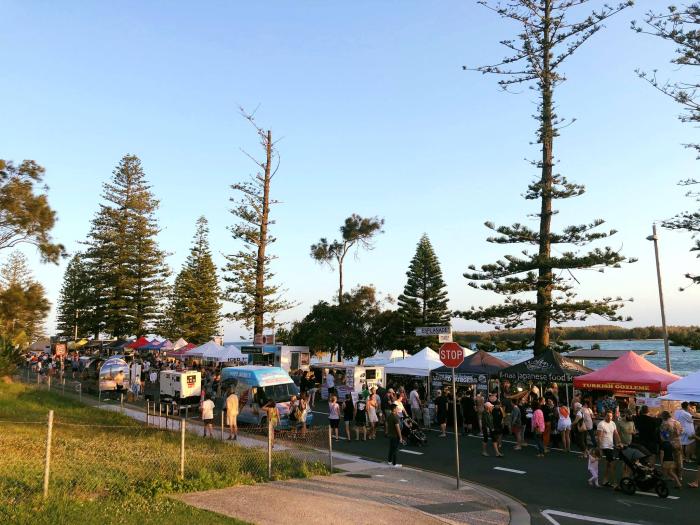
(683, 360)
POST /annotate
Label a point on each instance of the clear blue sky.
(376, 116)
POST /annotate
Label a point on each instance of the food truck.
(255, 386)
(289, 358)
(108, 378)
(349, 379)
(183, 387)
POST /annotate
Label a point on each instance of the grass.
(107, 468)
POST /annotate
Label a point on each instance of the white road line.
(410, 452)
(379, 475)
(403, 480)
(656, 495)
(509, 470)
(548, 513)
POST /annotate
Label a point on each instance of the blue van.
(255, 386)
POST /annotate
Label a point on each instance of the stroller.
(644, 476)
(414, 434)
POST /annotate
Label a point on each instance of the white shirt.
(153, 376)
(208, 409)
(330, 381)
(401, 408)
(415, 399)
(587, 417)
(686, 421)
(607, 429)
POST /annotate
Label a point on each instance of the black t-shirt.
(547, 413)
(497, 416)
(647, 428)
(441, 404)
(348, 409)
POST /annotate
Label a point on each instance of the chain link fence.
(156, 449)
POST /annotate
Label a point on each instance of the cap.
(488, 404)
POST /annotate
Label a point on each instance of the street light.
(655, 238)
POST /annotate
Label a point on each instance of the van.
(255, 386)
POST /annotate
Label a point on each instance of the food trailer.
(349, 379)
(289, 358)
(185, 388)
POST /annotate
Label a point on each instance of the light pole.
(655, 238)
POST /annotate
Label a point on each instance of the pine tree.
(424, 298)
(127, 267)
(74, 301)
(194, 311)
(247, 271)
(23, 303)
(547, 39)
(681, 27)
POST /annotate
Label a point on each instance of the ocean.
(683, 360)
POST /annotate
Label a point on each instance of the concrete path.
(369, 494)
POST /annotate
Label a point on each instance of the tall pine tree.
(194, 311)
(424, 298)
(126, 265)
(248, 271)
(74, 302)
(546, 40)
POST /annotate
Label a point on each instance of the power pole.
(655, 238)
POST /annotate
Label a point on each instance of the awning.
(628, 373)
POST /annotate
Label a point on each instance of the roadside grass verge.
(108, 468)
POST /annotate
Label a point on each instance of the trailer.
(183, 387)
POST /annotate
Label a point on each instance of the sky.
(374, 115)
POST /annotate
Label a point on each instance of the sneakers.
(517, 448)
(398, 465)
(443, 435)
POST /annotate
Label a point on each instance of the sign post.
(452, 356)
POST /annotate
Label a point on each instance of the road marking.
(638, 503)
(655, 495)
(403, 480)
(548, 513)
(410, 452)
(509, 470)
(379, 475)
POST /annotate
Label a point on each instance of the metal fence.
(158, 446)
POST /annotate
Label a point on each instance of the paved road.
(553, 488)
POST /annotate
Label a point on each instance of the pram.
(414, 434)
(644, 476)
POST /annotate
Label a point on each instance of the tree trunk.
(544, 281)
(260, 267)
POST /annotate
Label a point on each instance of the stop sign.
(451, 355)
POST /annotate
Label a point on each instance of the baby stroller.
(644, 476)
(415, 436)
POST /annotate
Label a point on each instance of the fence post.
(167, 407)
(48, 381)
(222, 425)
(47, 468)
(182, 448)
(121, 401)
(330, 448)
(270, 431)
(160, 406)
(148, 409)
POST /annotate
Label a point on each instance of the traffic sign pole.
(454, 417)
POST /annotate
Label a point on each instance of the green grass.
(108, 468)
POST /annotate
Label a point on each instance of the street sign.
(433, 330)
(451, 355)
(445, 338)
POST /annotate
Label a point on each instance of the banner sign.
(460, 378)
(617, 386)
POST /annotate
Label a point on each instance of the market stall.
(348, 379)
(477, 371)
(685, 389)
(543, 370)
(414, 369)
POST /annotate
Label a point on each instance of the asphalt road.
(554, 489)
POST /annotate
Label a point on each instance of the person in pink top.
(538, 428)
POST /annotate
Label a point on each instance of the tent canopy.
(180, 343)
(475, 369)
(141, 341)
(209, 350)
(685, 389)
(628, 373)
(547, 368)
(419, 364)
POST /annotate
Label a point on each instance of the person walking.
(395, 438)
(685, 418)
(516, 426)
(671, 431)
(334, 416)
(608, 438)
(416, 404)
(330, 383)
(498, 416)
(648, 432)
(578, 428)
(538, 427)
(487, 430)
(564, 427)
(273, 418)
(232, 414)
(348, 414)
(547, 411)
(303, 412)
(593, 462)
(361, 419)
(208, 416)
(373, 405)
(441, 407)
(468, 411)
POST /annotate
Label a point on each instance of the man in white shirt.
(208, 416)
(414, 400)
(330, 382)
(608, 439)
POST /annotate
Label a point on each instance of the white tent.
(231, 353)
(685, 389)
(419, 364)
(180, 343)
(383, 358)
(209, 351)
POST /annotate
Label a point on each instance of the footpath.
(365, 492)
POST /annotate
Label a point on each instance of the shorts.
(208, 421)
(564, 424)
(486, 434)
(347, 419)
(441, 419)
(360, 423)
(608, 454)
(335, 423)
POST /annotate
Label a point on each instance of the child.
(593, 458)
